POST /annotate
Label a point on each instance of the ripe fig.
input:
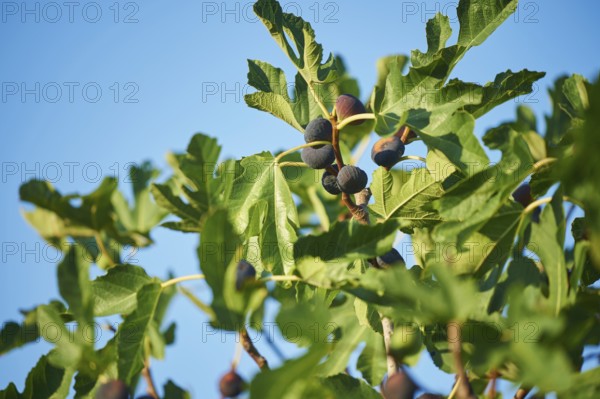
(390, 258)
(387, 151)
(231, 385)
(522, 195)
(352, 179)
(399, 386)
(329, 182)
(115, 389)
(318, 158)
(245, 273)
(347, 105)
(319, 129)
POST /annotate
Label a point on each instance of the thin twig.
(521, 393)
(103, 249)
(252, 351)
(463, 388)
(388, 330)
(147, 374)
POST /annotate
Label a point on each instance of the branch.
(463, 389)
(388, 330)
(151, 388)
(252, 351)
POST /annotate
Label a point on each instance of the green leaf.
(581, 169)
(44, 381)
(172, 391)
(132, 334)
(468, 205)
(15, 335)
(74, 285)
(479, 18)
(438, 32)
(406, 196)
(548, 240)
(506, 85)
(144, 214)
(343, 386)
(297, 40)
(348, 240)
(583, 386)
(116, 291)
(372, 360)
(290, 380)
(261, 198)
(455, 142)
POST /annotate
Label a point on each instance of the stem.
(298, 164)
(454, 388)
(354, 118)
(147, 374)
(180, 279)
(388, 330)
(543, 162)
(252, 351)
(103, 249)
(237, 355)
(413, 157)
(335, 142)
(299, 147)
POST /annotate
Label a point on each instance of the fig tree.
(347, 105)
(115, 389)
(245, 273)
(329, 182)
(319, 129)
(387, 151)
(318, 158)
(390, 258)
(231, 385)
(352, 179)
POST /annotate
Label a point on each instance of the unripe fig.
(318, 158)
(406, 341)
(329, 182)
(115, 389)
(399, 386)
(352, 179)
(347, 105)
(319, 129)
(387, 151)
(245, 273)
(231, 385)
(390, 258)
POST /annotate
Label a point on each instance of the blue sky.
(91, 87)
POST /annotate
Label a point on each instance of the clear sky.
(88, 87)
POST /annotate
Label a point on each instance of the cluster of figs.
(349, 179)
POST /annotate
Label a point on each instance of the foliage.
(518, 286)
